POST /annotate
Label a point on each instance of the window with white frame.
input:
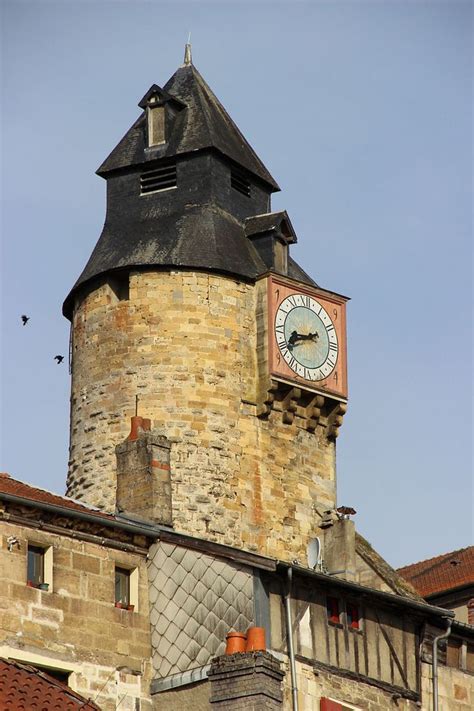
(126, 588)
(39, 567)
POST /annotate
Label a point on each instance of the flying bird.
(59, 359)
(25, 319)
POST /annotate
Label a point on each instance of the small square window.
(353, 616)
(35, 566)
(333, 609)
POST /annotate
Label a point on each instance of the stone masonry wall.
(75, 626)
(186, 343)
(313, 686)
(455, 688)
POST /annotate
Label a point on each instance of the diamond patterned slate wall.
(195, 600)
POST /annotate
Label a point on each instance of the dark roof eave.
(388, 598)
(68, 304)
(99, 518)
(272, 184)
(155, 531)
(449, 591)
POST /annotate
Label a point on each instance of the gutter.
(150, 530)
(437, 639)
(100, 519)
(363, 591)
(291, 651)
(158, 532)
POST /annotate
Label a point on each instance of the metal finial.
(187, 52)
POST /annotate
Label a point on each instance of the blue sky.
(362, 111)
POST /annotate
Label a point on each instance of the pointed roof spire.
(203, 124)
(188, 58)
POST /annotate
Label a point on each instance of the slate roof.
(8, 485)
(269, 222)
(24, 688)
(441, 574)
(201, 225)
(194, 240)
(203, 124)
(391, 576)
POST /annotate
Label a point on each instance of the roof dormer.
(271, 235)
(160, 110)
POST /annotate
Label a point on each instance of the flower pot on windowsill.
(120, 606)
(131, 608)
(43, 586)
(31, 584)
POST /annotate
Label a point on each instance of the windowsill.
(38, 586)
(339, 625)
(356, 630)
(126, 608)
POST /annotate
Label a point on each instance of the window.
(331, 705)
(333, 609)
(156, 124)
(122, 587)
(453, 653)
(35, 572)
(161, 177)
(58, 674)
(119, 283)
(126, 588)
(353, 616)
(39, 567)
(240, 182)
(470, 658)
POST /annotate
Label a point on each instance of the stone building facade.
(216, 508)
(72, 625)
(187, 343)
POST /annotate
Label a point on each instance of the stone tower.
(171, 316)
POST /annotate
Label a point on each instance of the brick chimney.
(143, 474)
(251, 680)
(339, 551)
(470, 612)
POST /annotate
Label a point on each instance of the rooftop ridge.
(438, 558)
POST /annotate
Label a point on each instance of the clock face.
(306, 337)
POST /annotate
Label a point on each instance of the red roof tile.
(24, 688)
(8, 485)
(443, 573)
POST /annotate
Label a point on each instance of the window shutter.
(328, 705)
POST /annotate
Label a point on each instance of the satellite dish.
(314, 553)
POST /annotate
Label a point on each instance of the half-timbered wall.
(383, 650)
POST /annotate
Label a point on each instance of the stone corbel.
(265, 406)
(288, 404)
(334, 420)
(306, 409)
(311, 412)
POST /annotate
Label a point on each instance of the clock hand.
(292, 340)
(295, 337)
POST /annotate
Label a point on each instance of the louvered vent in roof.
(240, 182)
(161, 177)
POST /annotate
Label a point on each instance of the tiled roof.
(442, 573)
(24, 688)
(8, 485)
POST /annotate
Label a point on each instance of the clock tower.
(192, 313)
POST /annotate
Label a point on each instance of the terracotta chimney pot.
(256, 640)
(235, 642)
